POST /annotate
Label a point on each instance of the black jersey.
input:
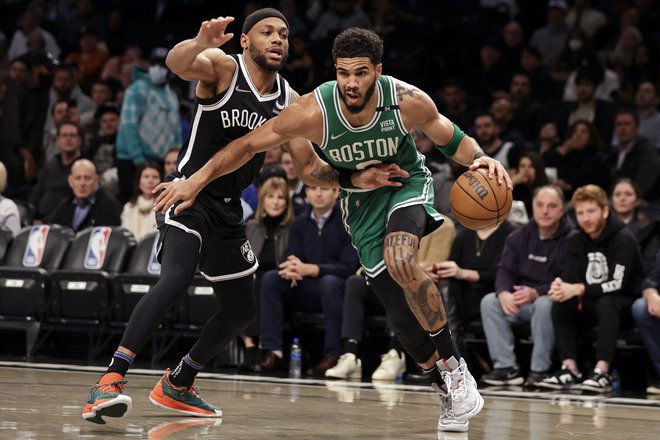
(219, 120)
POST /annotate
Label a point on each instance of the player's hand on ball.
(169, 193)
(495, 169)
(378, 176)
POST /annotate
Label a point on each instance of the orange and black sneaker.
(106, 398)
(184, 400)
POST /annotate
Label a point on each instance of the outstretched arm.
(289, 126)
(199, 58)
(419, 110)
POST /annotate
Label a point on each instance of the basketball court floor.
(44, 401)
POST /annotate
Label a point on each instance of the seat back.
(5, 239)
(39, 246)
(140, 276)
(26, 211)
(34, 254)
(82, 290)
(103, 248)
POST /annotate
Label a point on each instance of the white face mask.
(158, 74)
(574, 44)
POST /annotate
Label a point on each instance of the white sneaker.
(392, 366)
(447, 421)
(348, 367)
(466, 401)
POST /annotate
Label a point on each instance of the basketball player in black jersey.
(235, 94)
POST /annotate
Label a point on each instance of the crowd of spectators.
(565, 94)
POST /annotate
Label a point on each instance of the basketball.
(478, 202)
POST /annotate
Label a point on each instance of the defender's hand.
(212, 32)
(495, 169)
(378, 176)
(184, 191)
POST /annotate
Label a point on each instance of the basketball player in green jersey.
(363, 119)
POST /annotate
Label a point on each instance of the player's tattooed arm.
(403, 90)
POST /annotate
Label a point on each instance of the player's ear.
(244, 41)
(379, 70)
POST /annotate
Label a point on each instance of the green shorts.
(365, 216)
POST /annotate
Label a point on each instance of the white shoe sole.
(117, 407)
(453, 427)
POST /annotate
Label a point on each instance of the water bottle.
(295, 362)
(616, 382)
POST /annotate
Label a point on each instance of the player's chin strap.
(387, 108)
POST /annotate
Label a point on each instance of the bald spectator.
(90, 204)
(52, 186)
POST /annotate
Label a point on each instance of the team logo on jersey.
(96, 247)
(154, 266)
(34, 251)
(246, 251)
(597, 270)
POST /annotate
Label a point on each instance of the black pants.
(179, 258)
(359, 301)
(609, 313)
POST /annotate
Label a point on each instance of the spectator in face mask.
(149, 124)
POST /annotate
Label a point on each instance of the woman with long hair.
(138, 216)
(268, 233)
(529, 175)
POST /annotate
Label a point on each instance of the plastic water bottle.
(295, 362)
(616, 382)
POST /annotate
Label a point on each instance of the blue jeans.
(324, 294)
(499, 333)
(649, 329)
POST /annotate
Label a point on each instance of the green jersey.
(384, 139)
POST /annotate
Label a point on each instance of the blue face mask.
(158, 74)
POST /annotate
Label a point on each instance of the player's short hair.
(590, 193)
(358, 42)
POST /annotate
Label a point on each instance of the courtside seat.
(5, 239)
(81, 291)
(34, 254)
(140, 276)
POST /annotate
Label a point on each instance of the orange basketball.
(479, 202)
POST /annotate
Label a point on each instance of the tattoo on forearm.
(402, 91)
(479, 154)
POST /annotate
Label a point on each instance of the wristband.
(344, 177)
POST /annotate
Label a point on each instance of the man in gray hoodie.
(533, 256)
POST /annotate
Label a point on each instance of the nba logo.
(36, 244)
(96, 247)
(154, 266)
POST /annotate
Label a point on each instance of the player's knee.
(400, 256)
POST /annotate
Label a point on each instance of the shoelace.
(112, 387)
(445, 401)
(455, 376)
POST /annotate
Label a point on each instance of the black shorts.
(225, 252)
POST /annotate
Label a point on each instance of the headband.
(259, 15)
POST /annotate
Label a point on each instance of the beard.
(358, 108)
(261, 61)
